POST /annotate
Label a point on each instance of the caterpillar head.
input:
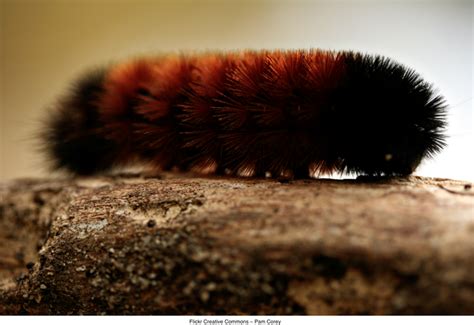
(393, 118)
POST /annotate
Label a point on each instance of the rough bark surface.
(183, 245)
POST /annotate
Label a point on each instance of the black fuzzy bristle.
(73, 134)
(389, 117)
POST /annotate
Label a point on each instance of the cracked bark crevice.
(183, 245)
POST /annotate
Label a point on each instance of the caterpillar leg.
(301, 172)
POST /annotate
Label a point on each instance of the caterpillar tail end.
(73, 137)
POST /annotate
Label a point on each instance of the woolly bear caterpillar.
(297, 112)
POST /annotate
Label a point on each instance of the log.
(178, 244)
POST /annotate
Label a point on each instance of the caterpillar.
(249, 113)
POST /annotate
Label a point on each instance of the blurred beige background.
(45, 44)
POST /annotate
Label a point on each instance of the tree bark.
(177, 244)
